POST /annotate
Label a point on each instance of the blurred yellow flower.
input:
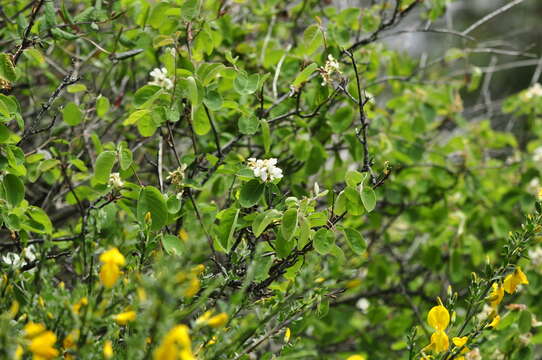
(496, 320)
(175, 345)
(108, 349)
(125, 317)
(42, 342)
(511, 281)
(218, 320)
(356, 357)
(111, 261)
(287, 335)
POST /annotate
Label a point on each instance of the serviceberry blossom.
(177, 179)
(159, 78)
(265, 169)
(15, 260)
(115, 181)
(536, 256)
(532, 92)
(331, 67)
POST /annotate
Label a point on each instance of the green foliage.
(275, 176)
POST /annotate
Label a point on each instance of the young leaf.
(7, 70)
(14, 189)
(289, 224)
(104, 165)
(324, 239)
(248, 124)
(355, 241)
(368, 197)
(304, 75)
(71, 114)
(261, 221)
(200, 121)
(151, 201)
(250, 193)
(312, 39)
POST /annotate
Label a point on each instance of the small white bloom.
(265, 169)
(525, 339)
(536, 256)
(532, 92)
(363, 304)
(537, 154)
(160, 78)
(12, 259)
(484, 314)
(498, 355)
(331, 67)
(115, 181)
(29, 253)
(474, 354)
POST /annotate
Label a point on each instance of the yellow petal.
(495, 321)
(125, 317)
(109, 273)
(356, 357)
(112, 256)
(32, 329)
(496, 295)
(108, 349)
(438, 318)
(42, 346)
(439, 341)
(218, 320)
(460, 341)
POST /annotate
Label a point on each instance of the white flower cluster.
(177, 178)
(15, 260)
(265, 169)
(532, 92)
(537, 154)
(115, 181)
(331, 67)
(159, 78)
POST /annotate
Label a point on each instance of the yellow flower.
(76, 307)
(356, 357)
(460, 341)
(108, 349)
(511, 281)
(287, 335)
(193, 287)
(540, 194)
(496, 295)
(438, 318)
(111, 261)
(42, 346)
(218, 320)
(70, 340)
(32, 329)
(125, 317)
(18, 353)
(176, 344)
(495, 321)
(439, 341)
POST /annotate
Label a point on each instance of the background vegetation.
(229, 179)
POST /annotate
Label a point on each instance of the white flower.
(532, 92)
(473, 355)
(12, 259)
(536, 256)
(537, 154)
(498, 355)
(160, 78)
(484, 314)
(265, 169)
(525, 339)
(331, 67)
(363, 304)
(115, 181)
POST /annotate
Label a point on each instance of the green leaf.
(135, 116)
(189, 9)
(525, 321)
(4, 133)
(38, 221)
(104, 165)
(262, 220)
(147, 126)
(226, 228)
(125, 158)
(71, 114)
(312, 39)
(324, 239)
(75, 88)
(353, 178)
(250, 193)
(14, 189)
(146, 95)
(304, 75)
(102, 106)
(172, 244)
(7, 70)
(151, 200)
(368, 197)
(355, 241)
(283, 246)
(244, 84)
(248, 124)
(192, 90)
(200, 120)
(289, 224)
